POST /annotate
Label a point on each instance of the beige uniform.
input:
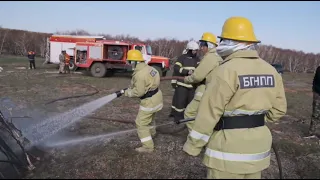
(244, 84)
(201, 74)
(146, 79)
(62, 63)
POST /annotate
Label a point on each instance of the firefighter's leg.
(30, 64)
(153, 128)
(191, 112)
(143, 122)
(216, 174)
(315, 114)
(181, 102)
(192, 108)
(34, 64)
(256, 175)
(61, 67)
(173, 103)
(191, 93)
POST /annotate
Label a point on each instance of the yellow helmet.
(134, 55)
(238, 28)
(209, 37)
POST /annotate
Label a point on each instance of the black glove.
(174, 85)
(121, 92)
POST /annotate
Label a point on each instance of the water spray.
(273, 146)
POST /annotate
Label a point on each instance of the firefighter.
(174, 84)
(144, 85)
(62, 60)
(66, 64)
(184, 93)
(315, 118)
(31, 57)
(244, 92)
(210, 61)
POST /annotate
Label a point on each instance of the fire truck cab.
(105, 57)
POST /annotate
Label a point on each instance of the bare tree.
(18, 42)
(3, 35)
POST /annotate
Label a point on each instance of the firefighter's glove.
(174, 85)
(121, 92)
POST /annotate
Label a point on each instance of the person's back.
(146, 77)
(256, 81)
(144, 85)
(245, 91)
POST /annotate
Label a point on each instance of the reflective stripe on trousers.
(151, 109)
(178, 110)
(146, 139)
(237, 156)
(239, 112)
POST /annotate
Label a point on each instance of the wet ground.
(116, 158)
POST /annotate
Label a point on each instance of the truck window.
(138, 48)
(149, 50)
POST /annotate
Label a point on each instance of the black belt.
(240, 122)
(149, 94)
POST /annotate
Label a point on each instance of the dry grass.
(116, 158)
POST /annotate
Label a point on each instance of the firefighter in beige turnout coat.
(145, 85)
(245, 92)
(210, 61)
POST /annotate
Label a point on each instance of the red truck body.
(105, 56)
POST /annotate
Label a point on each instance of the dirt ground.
(116, 158)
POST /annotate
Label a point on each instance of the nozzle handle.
(185, 120)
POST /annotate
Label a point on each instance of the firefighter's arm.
(178, 68)
(211, 108)
(138, 87)
(279, 107)
(201, 72)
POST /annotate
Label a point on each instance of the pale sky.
(289, 25)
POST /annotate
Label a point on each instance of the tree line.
(19, 42)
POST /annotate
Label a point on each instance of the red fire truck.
(104, 57)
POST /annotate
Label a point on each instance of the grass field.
(116, 158)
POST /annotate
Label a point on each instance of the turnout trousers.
(216, 174)
(181, 98)
(145, 119)
(192, 108)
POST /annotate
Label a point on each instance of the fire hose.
(274, 147)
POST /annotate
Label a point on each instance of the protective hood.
(227, 47)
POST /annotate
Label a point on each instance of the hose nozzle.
(184, 120)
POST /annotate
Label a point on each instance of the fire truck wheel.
(72, 67)
(98, 70)
(158, 69)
